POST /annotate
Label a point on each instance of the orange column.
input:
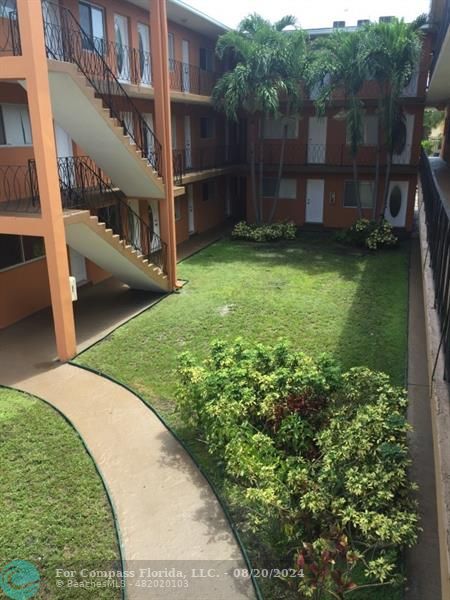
(33, 49)
(160, 61)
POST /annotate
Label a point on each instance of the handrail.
(66, 41)
(84, 186)
(19, 190)
(437, 219)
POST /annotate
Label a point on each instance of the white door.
(127, 118)
(134, 224)
(122, 48)
(64, 150)
(154, 210)
(405, 157)
(78, 266)
(187, 142)
(150, 141)
(397, 203)
(52, 30)
(145, 63)
(317, 140)
(314, 200)
(191, 220)
(185, 66)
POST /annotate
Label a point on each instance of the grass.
(320, 296)
(53, 507)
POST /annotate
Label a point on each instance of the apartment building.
(111, 153)
(106, 70)
(317, 186)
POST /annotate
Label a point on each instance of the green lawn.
(53, 507)
(319, 295)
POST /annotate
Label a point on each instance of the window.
(208, 190)
(274, 128)
(7, 7)
(171, 50)
(206, 127)
(17, 249)
(177, 209)
(92, 21)
(369, 131)
(365, 194)
(206, 59)
(288, 188)
(15, 127)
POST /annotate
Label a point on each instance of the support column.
(161, 84)
(41, 117)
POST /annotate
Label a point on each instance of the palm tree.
(256, 84)
(337, 66)
(392, 51)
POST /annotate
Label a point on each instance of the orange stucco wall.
(25, 290)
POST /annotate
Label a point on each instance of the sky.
(310, 13)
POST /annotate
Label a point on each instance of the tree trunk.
(261, 168)
(280, 173)
(386, 185)
(376, 185)
(356, 186)
(253, 172)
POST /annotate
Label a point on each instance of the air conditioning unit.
(338, 24)
(362, 22)
(386, 19)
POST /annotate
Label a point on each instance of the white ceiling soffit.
(189, 17)
(439, 88)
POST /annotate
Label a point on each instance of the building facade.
(111, 153)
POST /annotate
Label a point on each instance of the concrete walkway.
(423, 571)
(167, 514)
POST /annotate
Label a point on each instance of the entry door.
(64, 149)
(154, 220)
(150, 140)
(317, 140)
(185, 66)
(405, 157)
(397, 203)
(187, 142)
(122, 48)
(145, 63)
(314, 200)
(134, 224)
(191, 221)
(78, 267)
(52, 30)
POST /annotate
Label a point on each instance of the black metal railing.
(335, 155)
(437, 217)
(190, 160)
(9, 29)
(187, 78)
(19, 190)
(83, 186)
(66, 41)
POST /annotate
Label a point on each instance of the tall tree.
(256, 85)
(392, 52)
(337, 67)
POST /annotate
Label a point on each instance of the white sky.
(312, 13)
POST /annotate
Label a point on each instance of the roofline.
(200, 14)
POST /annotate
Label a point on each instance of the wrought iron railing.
(189, 160)
(83, 186)
(437, 217)
(335, 155)
(9, 29)
(66, 41)
(187, 78)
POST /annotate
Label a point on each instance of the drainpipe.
(161, 84)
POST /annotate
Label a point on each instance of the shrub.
(315, 460)
(264, 233)
(369, 234)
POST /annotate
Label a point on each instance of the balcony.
(333, 155)
(194, 161)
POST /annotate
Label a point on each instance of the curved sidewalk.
(167, 514)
